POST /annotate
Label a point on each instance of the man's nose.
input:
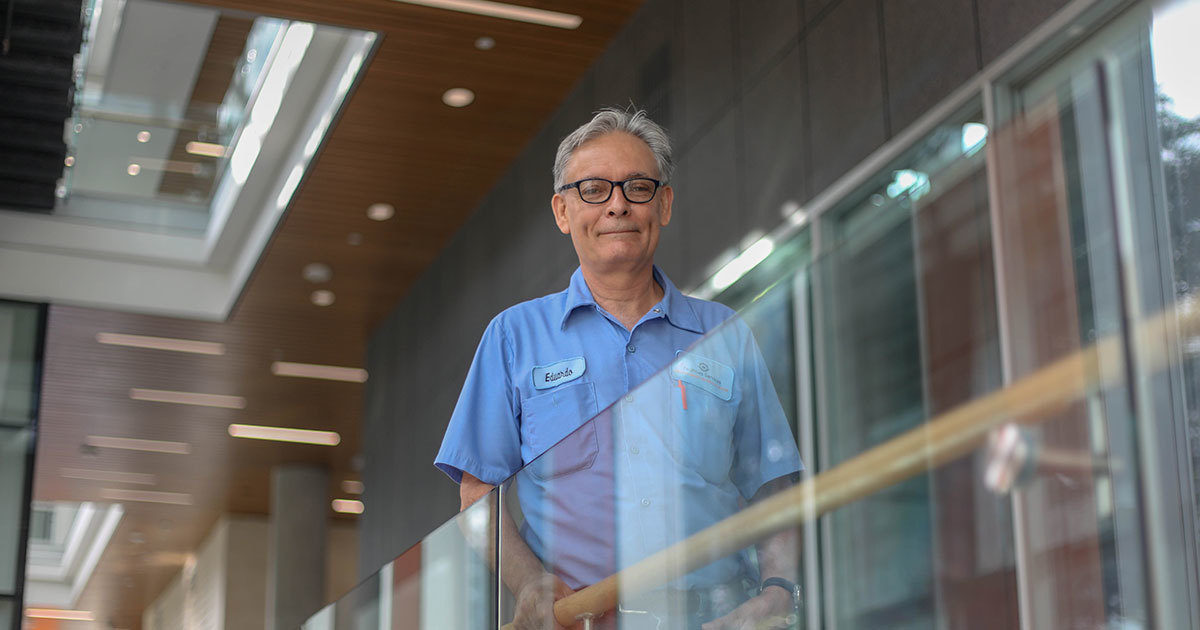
(618, 205)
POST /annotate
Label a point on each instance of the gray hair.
(609, 120)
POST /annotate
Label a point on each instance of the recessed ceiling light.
(285, 434)
(317, 273)
(188, 398)
(207, 149)
(161, 343)
(381, 211)
(322, 297)
(146, 496)
(347, 506)
(351, 486)
(485, 43)
(134, 169)
(505, 11)
(135, 444)
(458, 97)
(143, 136)
(312, 370)
(55, 613)
(112, 476)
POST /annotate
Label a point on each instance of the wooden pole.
(1032, 399)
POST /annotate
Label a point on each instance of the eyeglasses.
(597, 190)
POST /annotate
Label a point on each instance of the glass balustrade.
(961, 394)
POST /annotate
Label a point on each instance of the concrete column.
(296, 552)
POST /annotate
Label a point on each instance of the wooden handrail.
(1032, 399)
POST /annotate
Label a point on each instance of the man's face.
(614, 235)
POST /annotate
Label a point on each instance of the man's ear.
(559, 206)
(664, 213)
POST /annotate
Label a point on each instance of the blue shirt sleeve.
(484, 434)
(765, 448)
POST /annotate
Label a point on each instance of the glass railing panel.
(445, 581)
(680, 453)
(905, 329)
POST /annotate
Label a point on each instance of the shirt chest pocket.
(556, 428)
(702, 433)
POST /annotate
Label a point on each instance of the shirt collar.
(675, 306)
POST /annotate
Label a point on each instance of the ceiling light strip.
(347, 506)
(504, 11)
(113, 476)
(312, 370)
(161, 343)
(56, 613)
(207, 149)
(188, 398)
(285, 434)
(146, 496)
(135, 444)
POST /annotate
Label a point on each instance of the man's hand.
(769, 610)
(535, 603)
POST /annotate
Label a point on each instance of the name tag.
(713, 377)
(555, 374)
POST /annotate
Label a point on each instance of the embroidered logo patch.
(555, 374)
(713, 377)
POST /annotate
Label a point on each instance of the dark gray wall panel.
(773, 169)
(641, 66)
(845, 95)
(765, 29)
(707, 213)
(930, 47)
(1004, 22)
(709, 81)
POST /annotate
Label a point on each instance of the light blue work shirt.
(691, 427)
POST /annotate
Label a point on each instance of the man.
(702, 435)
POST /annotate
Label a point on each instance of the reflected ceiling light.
(188, 398)
(312, 370)
(347, 506)
(322, 297)
(134, 169)
(354, 238)
(381, 211)
(908, 182)
(285, 434)
(70, 160)
(485, 43)
(458, 97)
(55, 613)
(504, 11)
(207, 149)
(146, 496)
(350, 486)
(161, 343)
(143, 136)
(135, 444)
(742, 264)
(113, 476)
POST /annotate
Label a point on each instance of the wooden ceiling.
(396, 143)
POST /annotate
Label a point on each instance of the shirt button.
(634, 450)
(629, 398)
(645, 502)
(657, 310)
(631, 348)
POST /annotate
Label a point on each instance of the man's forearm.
(519, 565)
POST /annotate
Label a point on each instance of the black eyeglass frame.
(611, 187)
